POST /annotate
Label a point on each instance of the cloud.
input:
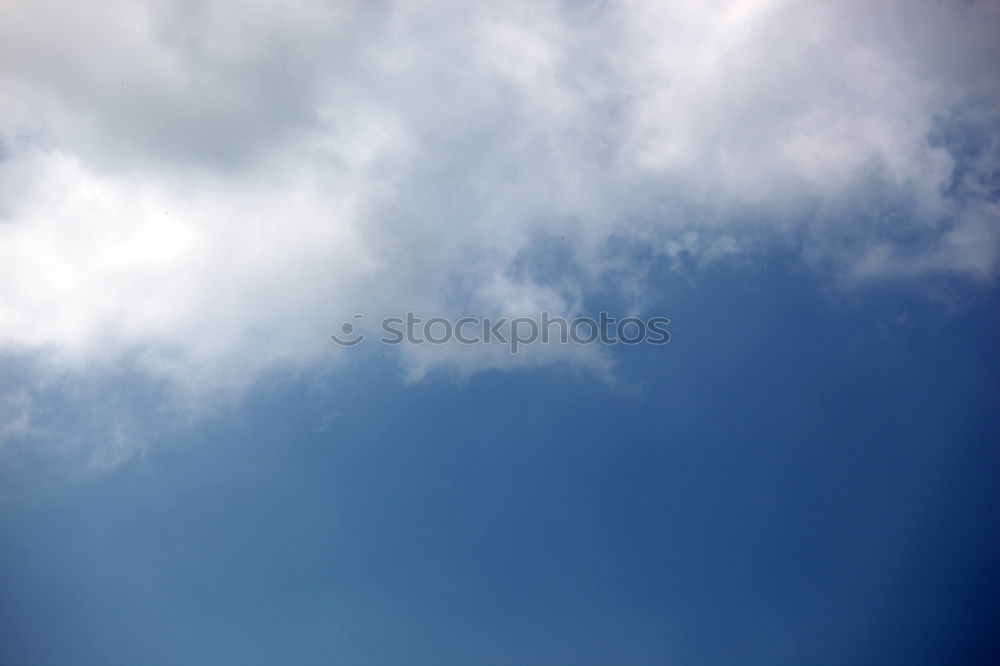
(202, 190)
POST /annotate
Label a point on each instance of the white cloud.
(207, 188)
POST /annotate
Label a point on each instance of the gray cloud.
(204, 187)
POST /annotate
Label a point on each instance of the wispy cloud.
(205, 188)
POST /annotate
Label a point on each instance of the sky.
(195, 196)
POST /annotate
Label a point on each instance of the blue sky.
(790, 480)
(193, 198)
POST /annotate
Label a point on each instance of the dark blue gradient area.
(799, 477)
